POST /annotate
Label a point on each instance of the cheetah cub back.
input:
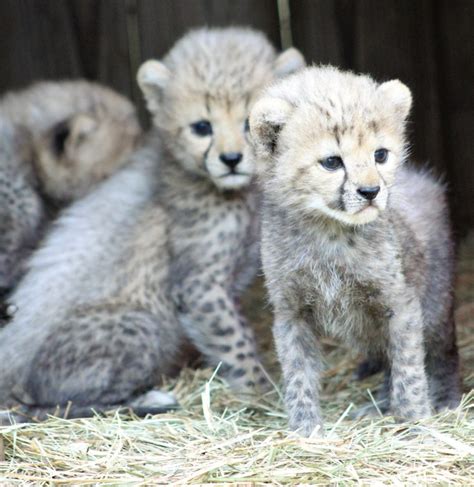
(354, 243)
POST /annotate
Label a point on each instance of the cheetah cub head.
(75, 154)
(330, 142)
(200, 96)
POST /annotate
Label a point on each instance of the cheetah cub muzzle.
(354, 243)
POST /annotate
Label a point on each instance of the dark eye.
(381, 155)
(332, 163)
(203, 128)
(246, 125)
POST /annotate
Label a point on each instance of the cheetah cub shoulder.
(355, 244)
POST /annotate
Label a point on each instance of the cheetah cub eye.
(332, 163)
(203, 128)
(381, 155)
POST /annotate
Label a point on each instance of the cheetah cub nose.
(369, 192)
(231, 159)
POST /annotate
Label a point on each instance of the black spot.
(241, 356)
(207, 308)
(240, 344)
(225, 368)
(238, 373)
(129, 331)
(222, 332)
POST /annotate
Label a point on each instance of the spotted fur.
(59, 139)
(376, 273)
(156, 258)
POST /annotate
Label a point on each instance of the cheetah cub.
(155, 259)
(355, 244)
(58, 140)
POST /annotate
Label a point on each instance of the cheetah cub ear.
(398, 95)
(288, 62)
(80, 127)
(153, 78)
(267, 118)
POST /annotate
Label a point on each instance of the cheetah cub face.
(331, 142)
(201, 94)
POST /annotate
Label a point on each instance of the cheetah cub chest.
(354, 244)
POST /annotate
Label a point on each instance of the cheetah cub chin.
(355, 244)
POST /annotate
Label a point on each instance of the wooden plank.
(85, 19)
(455, 55)
(113, 57)
(324, 30)
(38, 42)
(163, 22)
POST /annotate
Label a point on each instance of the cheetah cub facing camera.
(355, 244)
(156, 258)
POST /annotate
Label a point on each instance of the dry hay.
(217, 438)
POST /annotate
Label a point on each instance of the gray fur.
(58, 141)
(155, 259)
(384, 286)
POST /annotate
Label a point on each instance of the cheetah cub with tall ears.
(355, 244)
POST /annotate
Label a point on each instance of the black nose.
(369, 192)
(231, 159)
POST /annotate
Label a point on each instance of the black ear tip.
(60, 134)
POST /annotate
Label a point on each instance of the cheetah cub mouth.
(336, 155)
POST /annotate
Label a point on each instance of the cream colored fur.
(100, 131)
(355, 244)
(58, 141)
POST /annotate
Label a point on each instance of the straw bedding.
(217, 438)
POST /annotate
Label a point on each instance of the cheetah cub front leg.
(300, 357)
(409, 393)
(215, 325)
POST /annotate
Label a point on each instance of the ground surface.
(218, 439)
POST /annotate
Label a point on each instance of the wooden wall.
(426, 43)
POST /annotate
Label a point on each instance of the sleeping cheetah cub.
(156, 258)
(354, 244)
(58, 140)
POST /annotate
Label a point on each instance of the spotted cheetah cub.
(355, 244)
(58, 140)
(156, 258)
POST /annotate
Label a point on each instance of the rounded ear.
(81, 125)
(288, 62)
(398, 95)
(267, 118)
(152, 78)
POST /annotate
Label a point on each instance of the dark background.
(428, 44)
